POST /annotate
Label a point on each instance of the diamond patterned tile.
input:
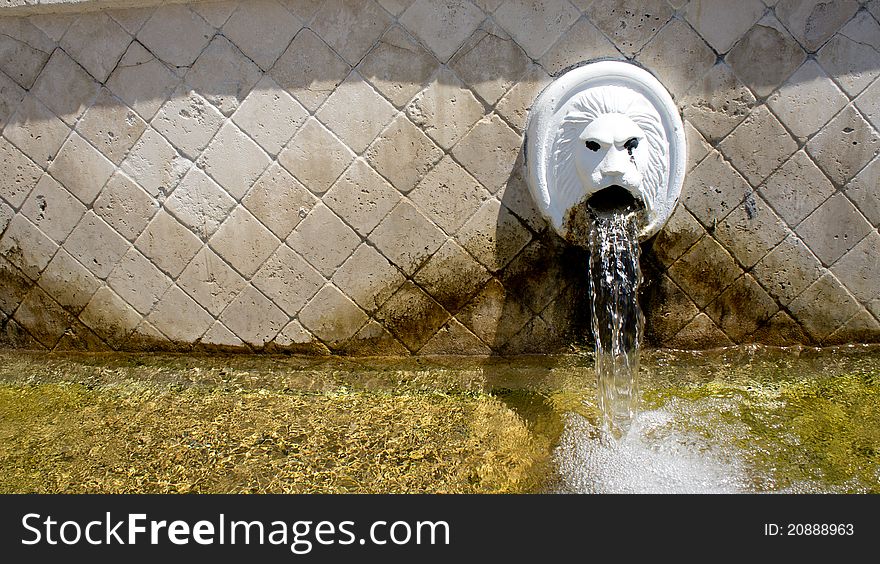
(140, 164)
(813, 22)
(168, 244)
(758, 146)
(199, 203)
(844, 146)
(179, 317)
(788, 270)
(309, 70)
(823, 307)
(350, 28)
(66, 280)
(25, 50)
(331, 316)
(859, 269)
(279, 201)
(176, 35)
(137, 281)
(10, 96)
(489, 151)
(406, 237)
(316, 170)
(412, 316)
(323, 239)
(536, 26)
(445, 110)
(717, 103)
(356, 129)
(451, 276)
(490, 62)
(54, 210)
(243, 241)
(809, 87)
(262, 29)
(583, 42)
(254, 318)
(403, 154)
(706, 270)
(188, 121)
(270, 116)
(361, 197)
(751, 230)
(26, 247)
(233, 160)
(448, 195)
(442, 25)
(81, 168)
(43, 317)
(833, 229)
(720, 26)
(712, 189)
(493, 235)
(97, 43)
(796, 189)
(864, 191)
(629, 26)
(36, 131)
(223, 75)
(111, 126)
(65, 87)
(96, 245)
(398, 55)
(21, 174)
(142, 81)
(288, 280)
(368, 278)
(768, 41)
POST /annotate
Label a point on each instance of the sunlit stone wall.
(345, 175)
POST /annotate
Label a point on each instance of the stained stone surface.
(347, 177)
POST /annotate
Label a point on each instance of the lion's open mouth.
(613, 199)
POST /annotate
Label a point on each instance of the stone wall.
(346, 175)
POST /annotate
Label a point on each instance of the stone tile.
(110, 317)
(494, 315)
(131, 19)
(796, 189)
(24, 49)
(395, 7)
(43, 317)
(96, 245)
(331, 316)
(448, 195)
(868, 103)
(824, 307)
(768, 42)
(489, 151)
(583, 42)
(36, 131)
(864, 191)
(214, 12)
(403, 154)
(53, 209)
(96, 42)
(398, 67)
(125, 206)
(758, 145)
(137, 281)
(350, 28)
(68, 282)
(295, 338)
(111, 126)
(141, 164)
(704, 271)
(859, 269)
(176, 35)
(516, 197)
(20, 174)
(219, 336)
(861, 328)
(442, 25)
(361, 197)
(303, 9)
(254, 318)
(751, 230)
(316, 170)
(536, 26)
(629, 26)
(693, 57)
(65, 87)
(179, 317)
(668, 309)
(844, 146)
(223, 75)
(697, 146)
(244, 242)
(142, 81)
(14, 286)
(515, 105)
(262, 29)
(412, 316)
(677, 236)
(445, 110)
(721, 26)
(368, 278)
(289, 281)
(493, 235)
(168, 244)
(146, 338)
(712, 189)
(874, 7)
(490, 62)
(700, 334)
(742, 308)
(279, 201)
(807, 100)
(233, 160)
(270, 116)
(373, 340)
(199, 203)
(451, 276)
(833, 229)
(309, 70)
(406, 237)
(54, 26)
(787, 270)
(717, 103)
(188, 121)
(780, 331)
(26, 247)
(357, 130)
(10, 96)
(323, 240)
(454, 339)
(813, 22)
(6, 215)
(81, 168)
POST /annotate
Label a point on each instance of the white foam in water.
(653, 457)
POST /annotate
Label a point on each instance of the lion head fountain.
(605, 136)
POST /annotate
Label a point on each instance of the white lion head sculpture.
(603, 127)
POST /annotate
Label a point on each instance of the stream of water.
(618, 322)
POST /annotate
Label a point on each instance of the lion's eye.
(631, 144)
(593, 146)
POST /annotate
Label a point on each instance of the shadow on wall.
(166, 161)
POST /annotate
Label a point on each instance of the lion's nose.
(615, 162)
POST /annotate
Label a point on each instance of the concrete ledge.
(27, 7)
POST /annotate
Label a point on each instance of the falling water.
(617, 320)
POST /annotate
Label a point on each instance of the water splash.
(618, 322)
